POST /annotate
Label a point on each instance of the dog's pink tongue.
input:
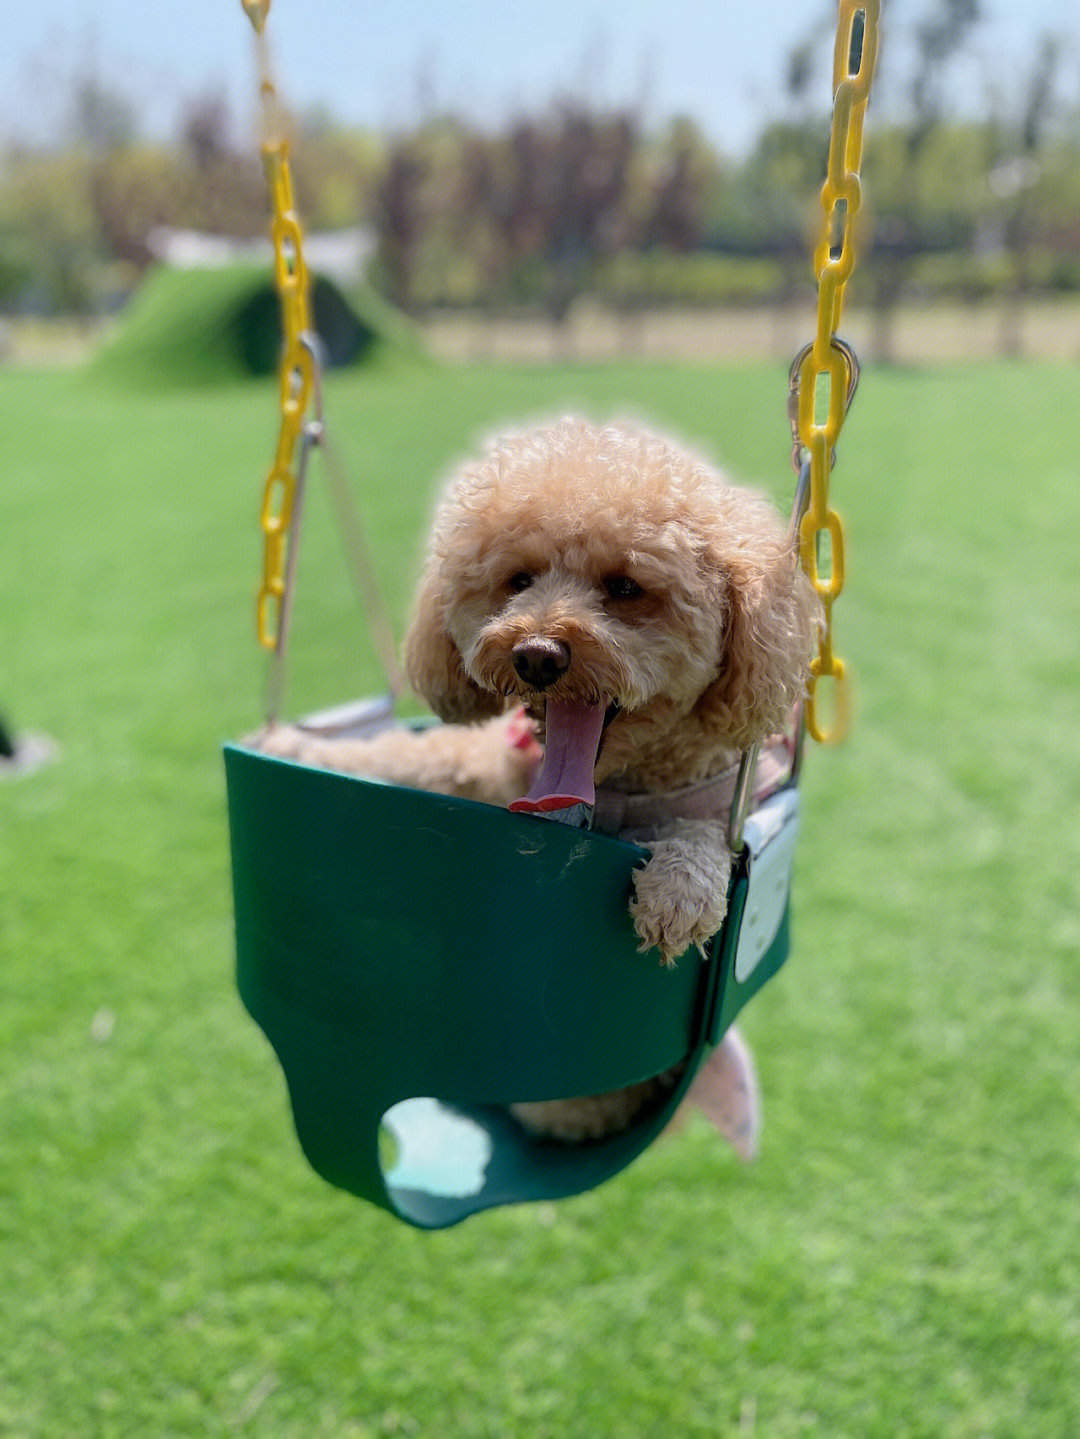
(565, 781)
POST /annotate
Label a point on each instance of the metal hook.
(851, 360)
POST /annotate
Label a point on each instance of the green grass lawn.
(904, 1258)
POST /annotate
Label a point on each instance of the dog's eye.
(520, 580)
(622, 587)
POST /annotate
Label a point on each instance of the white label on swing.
(770, 831)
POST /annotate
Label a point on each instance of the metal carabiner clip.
(851, 361)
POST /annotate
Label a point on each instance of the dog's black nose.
(540, 661)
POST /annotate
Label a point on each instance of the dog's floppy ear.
(433, 661)
(773, 615)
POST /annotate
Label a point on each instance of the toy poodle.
(604, 623)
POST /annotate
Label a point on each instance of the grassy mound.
(202, 327)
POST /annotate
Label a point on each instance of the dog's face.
(603, 573)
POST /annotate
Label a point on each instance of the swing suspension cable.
(825, 373)
(302, 427)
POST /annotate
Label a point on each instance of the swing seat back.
(420, 962)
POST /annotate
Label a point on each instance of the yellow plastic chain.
(828, 358)
(297, 369)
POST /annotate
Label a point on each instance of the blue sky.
(720, 62)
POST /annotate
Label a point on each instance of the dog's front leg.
(681, 893)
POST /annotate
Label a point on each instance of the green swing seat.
(419, 963)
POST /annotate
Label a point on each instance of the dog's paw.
(680, 898)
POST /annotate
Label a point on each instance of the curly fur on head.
(674, 591)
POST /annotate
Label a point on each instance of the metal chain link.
(298, 358)
(300, 373)
(825, 373)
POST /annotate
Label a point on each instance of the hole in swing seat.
(442, 1161)
(430, 1147)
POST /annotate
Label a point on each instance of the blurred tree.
(897, 207)
(53, 245)
(1013, 179)
(100, 117)
(15, 272)
(53, 241)
(336, 171)
(527, 215)
(794, 161)
(205, 129)
(561, 200)
(131, 192)
(582, 199)
(221, 187)
(201, 183)
(675, 215)
(400, 219)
